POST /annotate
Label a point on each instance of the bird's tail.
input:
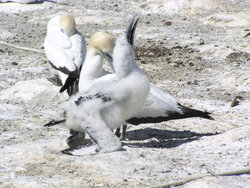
(71, 85)
(190, 112)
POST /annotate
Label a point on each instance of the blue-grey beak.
(109, 58)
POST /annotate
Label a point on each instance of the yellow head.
(102, 41)
(68, 25)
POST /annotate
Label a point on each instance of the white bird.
(100, 45)
(109, 103)
(65, 48)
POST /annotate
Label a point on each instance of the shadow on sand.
(163, 138)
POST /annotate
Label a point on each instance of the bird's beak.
(131, 30)
(109, 58)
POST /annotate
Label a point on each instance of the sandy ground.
(195, 50)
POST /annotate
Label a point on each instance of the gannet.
(109, 103)
(65, 49)
(100, 45)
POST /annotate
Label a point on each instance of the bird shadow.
(162, 138)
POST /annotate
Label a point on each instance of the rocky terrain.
(197, 50)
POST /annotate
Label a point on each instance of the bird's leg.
(123, 134)
(118, 132)
(103, 137)
(76, 139)
(73, 89)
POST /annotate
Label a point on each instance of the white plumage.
(161, 106)
(64, 46)
(109, 103)
(100, 44)
(158, 103)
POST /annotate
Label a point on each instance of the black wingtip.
(131, 30)
(54, 122)
(206, 115)
(189, 112)
(69, 82)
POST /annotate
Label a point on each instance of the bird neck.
(93, 65)
(123, 61)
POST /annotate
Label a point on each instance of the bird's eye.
(62, 30)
